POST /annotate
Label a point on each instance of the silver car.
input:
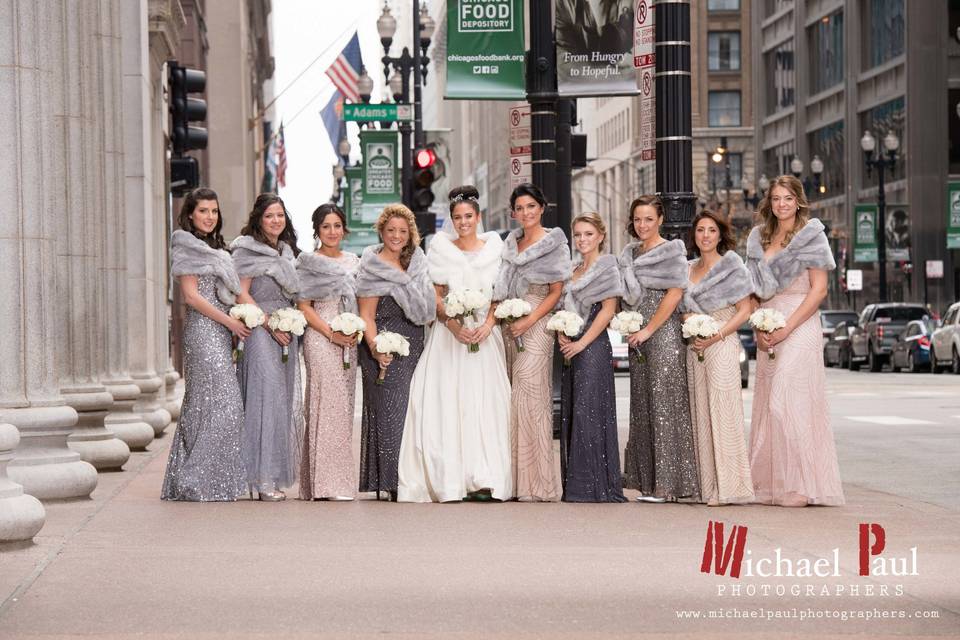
(945, 342)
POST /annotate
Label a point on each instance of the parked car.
(829, 318)
(945, 342)
(748, 339)
(837, 349)
(911, 351)
(744, 368)
(621, 351)
(877, 327)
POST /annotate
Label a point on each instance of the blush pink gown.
(793, 460)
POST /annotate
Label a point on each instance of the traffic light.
(424, 175)
(184, 109)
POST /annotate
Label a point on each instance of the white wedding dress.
(456, 438)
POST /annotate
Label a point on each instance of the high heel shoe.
(272, 496)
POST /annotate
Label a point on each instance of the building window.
(724, 108)
(723, 51)
(826, 52)
(780, 78)
(723, 5)
(889, 116)
(774, 6)
(828, 143)
(717, 173)
(776, 161)
(884, 31)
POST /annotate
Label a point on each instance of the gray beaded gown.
(660, 457)
(205, 462)
(385, 405)
(272, 398)
(589, 449)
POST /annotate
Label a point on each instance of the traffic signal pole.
(542, 96)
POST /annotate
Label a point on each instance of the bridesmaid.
(328, 288)
(719, 286)
(792, 456)
(536, 263)
(394, 294)
(589, 451)
(205, 462)
(660, 459)
(264, 258)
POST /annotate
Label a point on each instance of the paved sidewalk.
(126, 564)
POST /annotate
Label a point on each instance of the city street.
(125, 564)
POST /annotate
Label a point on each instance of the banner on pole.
(595, 47)
(953, 215)
(379, 167)
(865, 233)
(485, 50)
(897, 221)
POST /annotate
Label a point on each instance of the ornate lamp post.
(816, 168)
(876, 160)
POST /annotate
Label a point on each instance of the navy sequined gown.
(589, 450)
(205, 462)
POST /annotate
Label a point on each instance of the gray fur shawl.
(323, 278)
(410, 289)
(601, 281)
(726, 283)
(253, 259)
(808, 249)
(191, 256)
(663, 267)
(544, 262)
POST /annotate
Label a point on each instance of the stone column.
(21, 516)
(80, 361)
(123, 420)
(145, 285)
(32, 35)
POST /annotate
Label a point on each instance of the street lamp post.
(874, 159)
(816, 168)
(722, 155)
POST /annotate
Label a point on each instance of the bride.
(456, 438)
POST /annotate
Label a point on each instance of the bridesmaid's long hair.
(726, 242)
(400, 211)
(254, 227)
(768, 221)
(214, 238)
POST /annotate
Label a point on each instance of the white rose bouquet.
(568, 323)
(768, 321)
(700, 325)
(389, 342)
(463, 305)
(348, 324)
(511, 310)
(250, 315)
(627, 322)
(289, 320)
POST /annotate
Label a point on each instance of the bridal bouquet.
(627, 322)
(567, 322)
(250, 315)
(348, 324)
(768, 321)
(289, 320)
(511, 310)
(464, 304)
(389, 342)
(700, 325)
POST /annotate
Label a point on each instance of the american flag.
(345, 70)
(281, 159)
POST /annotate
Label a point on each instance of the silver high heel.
(272, 496)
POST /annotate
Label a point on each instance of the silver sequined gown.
(385, 405)
(205, 462)
(660, 458)
(589, 450)
(272, 398)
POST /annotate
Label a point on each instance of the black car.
(748, 339)
(837, 349)
(877, 329)
(911, 351)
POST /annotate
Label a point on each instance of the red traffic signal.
(425, 158)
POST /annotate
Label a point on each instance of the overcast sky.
(302, 30)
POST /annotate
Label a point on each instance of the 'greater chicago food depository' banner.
(595, 40)
(380, 184)
(485, 49)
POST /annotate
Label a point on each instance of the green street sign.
(387, 112)
(865, 233)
